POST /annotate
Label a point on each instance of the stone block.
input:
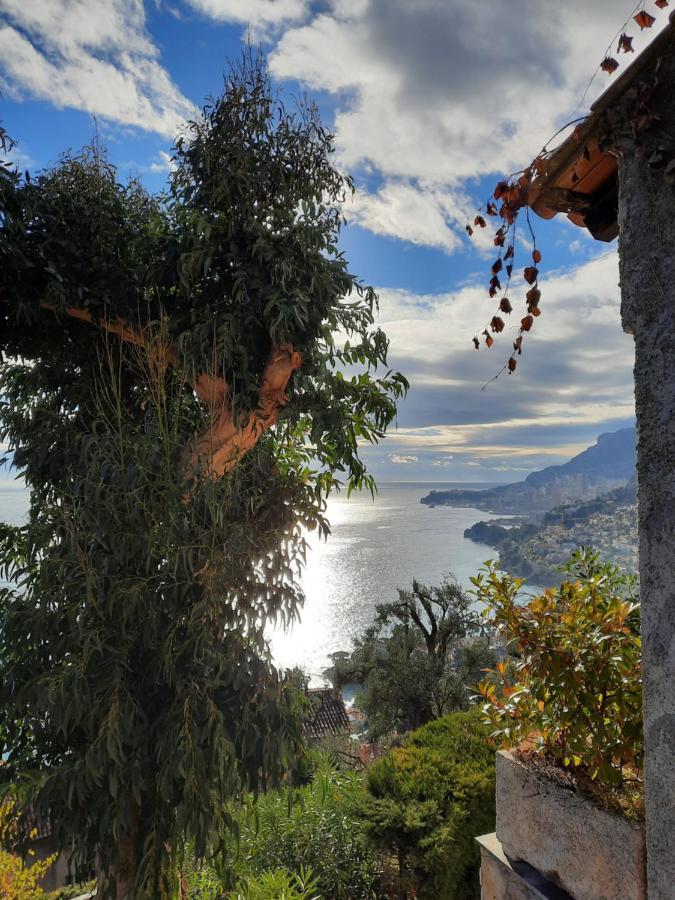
(502, 879)
(588, 852)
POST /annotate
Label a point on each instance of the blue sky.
(431, 101)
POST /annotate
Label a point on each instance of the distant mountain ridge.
(607, 465)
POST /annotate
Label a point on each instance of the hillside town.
(612, 534)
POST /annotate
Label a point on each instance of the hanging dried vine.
(634, 118)
(512, 197)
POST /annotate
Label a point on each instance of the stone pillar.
(647, 265)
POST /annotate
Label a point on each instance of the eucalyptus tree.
(184, 379)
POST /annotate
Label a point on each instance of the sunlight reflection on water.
(375, 547)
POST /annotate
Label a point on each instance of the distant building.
(370, 752)
(42, 845)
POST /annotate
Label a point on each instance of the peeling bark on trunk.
(125, 877)
(225, 442)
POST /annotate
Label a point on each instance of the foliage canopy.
(429, 799)
(179, 403)
(572, 689)
(419, 658)
(314, 828)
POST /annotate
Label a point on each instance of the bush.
(572, 691)
(314, 829)
(429, 799)
(68, 892)
(19, 881)
(277, 885)
(417, 660)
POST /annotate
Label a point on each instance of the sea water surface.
(376, 546)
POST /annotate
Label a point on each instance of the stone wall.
(647, 265)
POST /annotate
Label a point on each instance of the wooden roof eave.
(580, 171)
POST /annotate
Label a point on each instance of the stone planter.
(585, 850)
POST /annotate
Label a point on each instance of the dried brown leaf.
(644, 20)
(609, 65)
(625, 44)
(500, 190)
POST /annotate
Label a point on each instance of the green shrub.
(73, 890)
(429, 799)
(418, 659)
(197, 879)
(313, 828)
(572, 691)
(277, 885)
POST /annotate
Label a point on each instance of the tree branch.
(221, 447)
(119, 327)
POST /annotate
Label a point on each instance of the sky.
(431, 101)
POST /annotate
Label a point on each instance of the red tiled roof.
(327, 715)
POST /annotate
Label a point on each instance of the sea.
(376, 546)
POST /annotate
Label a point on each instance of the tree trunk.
(224, 443)
(221, 447)
(125, 877)
(403, 892)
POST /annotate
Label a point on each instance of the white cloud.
(403, 460)
(93, 55)
(253, 12)
(447, 90)
(418, 214)
(443, 463)
(509, 469)
(20, 157)
(162, 163)
(431, 94)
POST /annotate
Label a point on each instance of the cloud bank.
(92, 55)
(574, 378)
(432, 93)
